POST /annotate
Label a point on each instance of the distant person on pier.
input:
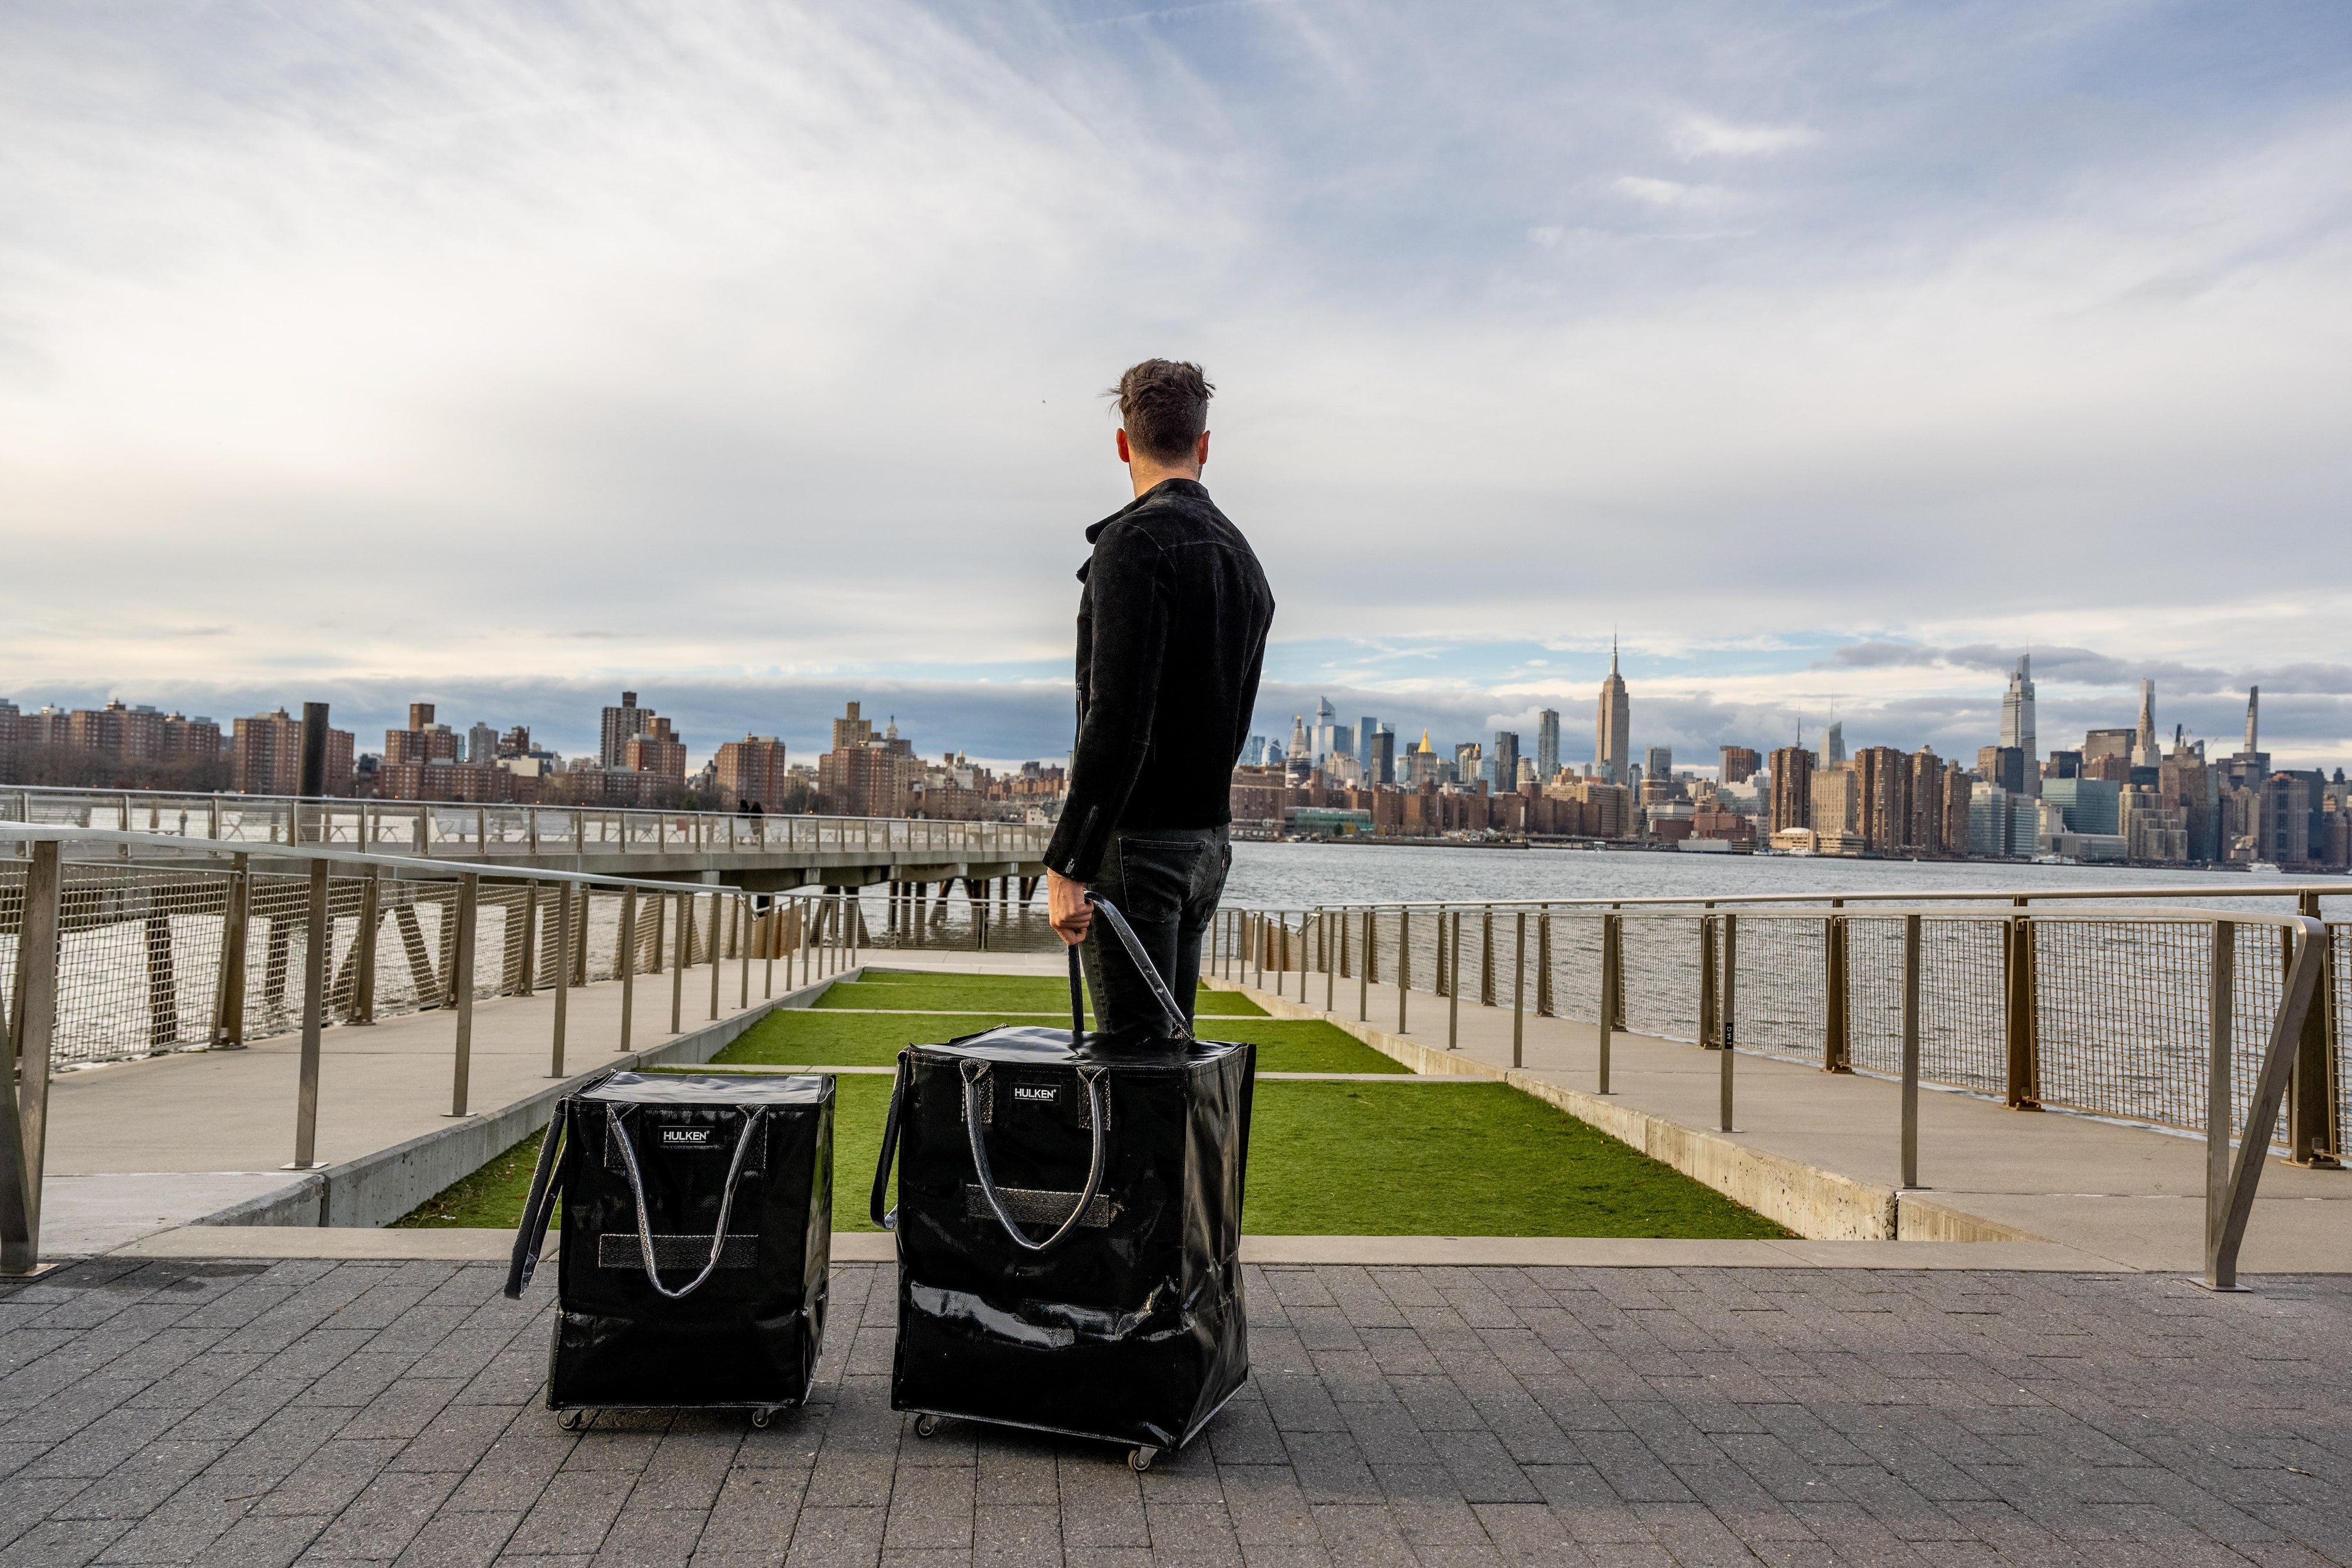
(1171, 630)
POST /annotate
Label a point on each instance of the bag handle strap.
(888, 1221)
(539, 1207)
(1077, 999)
(753, 1122)
(974, 1072)
(1143, 964)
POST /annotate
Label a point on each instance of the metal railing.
(431, 829)
(107, 960)
(2173, 1016)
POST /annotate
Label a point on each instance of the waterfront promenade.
(313, 1412)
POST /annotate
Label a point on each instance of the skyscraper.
(1739, 764)
(2144, 752)
(1833, 744)
(1507, 762)
(1658, 762)
(2017, 722)
(1546, 745)
(1302, 748)
(622, 724)
(1366, 728)
(1793, 788)
(1613, 747)
(1328, 737)
(1379, 757)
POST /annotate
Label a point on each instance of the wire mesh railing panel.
(2259, 991)
(138, 963)
(1874, 960)
(1780, 1005)
(1660, 958)
(1963, 1011)
(1575, 965)
(2121, 1018)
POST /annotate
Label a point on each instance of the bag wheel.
(926, 1425)
(760, 1418)
(1140, 1459)
(573, 1421)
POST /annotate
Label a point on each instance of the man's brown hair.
(1164, 406)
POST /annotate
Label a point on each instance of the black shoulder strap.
(889, 1220)
(539, 1207)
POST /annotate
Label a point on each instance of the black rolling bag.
(698, 1226)
(1069, 1226)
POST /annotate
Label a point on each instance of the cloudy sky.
(750, 356)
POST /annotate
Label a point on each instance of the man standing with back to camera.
(1172, 632)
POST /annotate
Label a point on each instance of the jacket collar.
(1160, 491)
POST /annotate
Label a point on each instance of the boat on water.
(2265, 868)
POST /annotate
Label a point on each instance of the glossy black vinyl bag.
(697, 1228)
(1068, 1226)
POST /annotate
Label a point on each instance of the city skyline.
(1751, 295)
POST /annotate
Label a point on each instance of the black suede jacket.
(1172, 632)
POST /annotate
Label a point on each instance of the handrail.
(2265, 888)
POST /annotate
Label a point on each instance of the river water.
(1297, 877)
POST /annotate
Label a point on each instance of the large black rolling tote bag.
(1069, 1226)
(698, 1226)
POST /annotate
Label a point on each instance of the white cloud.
(1702, 137)
(1659, 193)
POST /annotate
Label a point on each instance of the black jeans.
(1167, 881)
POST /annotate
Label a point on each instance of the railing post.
(2220, 1036)
(562, 973)
(679, 960)
(768, 940)
(1911, 956)
(1836, 1037)
(1708, 1037)
(228, 1016)
(743, 919)
(1544, 1008)
(2313, 1138)
(1617, 970)
(317, 937)
(1364, 975)
(1487, 957)
(25, 1058)
(1404, 965)
(370, 921)
(716, 900)
(470, 911)
(2024, 1073)
(1453, 989)
(1331, 965)
(1306, 958)
(2230, 1196)
(1729, 1021)
(1611, 983)
(628, 956)
(1519, 990)
(527, 980)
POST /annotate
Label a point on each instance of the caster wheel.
(760, 1419)
(573, 1421)
(1140, 1459)
(926, 1425)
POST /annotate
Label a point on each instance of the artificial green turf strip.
(1001, 993)
(1327, 1159)
(797, 1037)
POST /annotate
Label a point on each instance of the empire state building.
(1612, 745)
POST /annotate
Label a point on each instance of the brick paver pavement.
(315, 1412)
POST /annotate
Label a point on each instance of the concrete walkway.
(2130, 1195)
(173, 1412)
(136, 1146)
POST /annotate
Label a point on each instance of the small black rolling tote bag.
(1069, 1225)
(698, 1227)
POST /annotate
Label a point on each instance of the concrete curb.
(376, 1189)
(1816, 1204)
(477, 1246)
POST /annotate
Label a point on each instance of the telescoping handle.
(1143, 964)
